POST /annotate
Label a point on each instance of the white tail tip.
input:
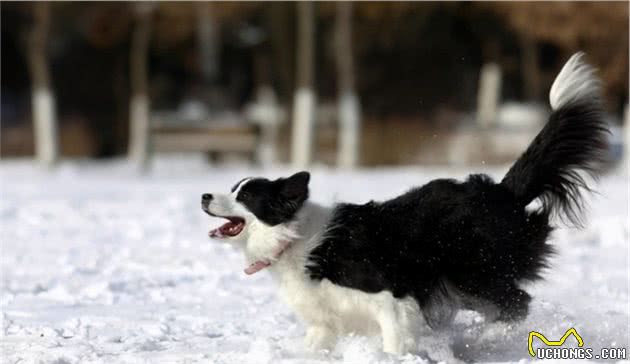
(576, 81)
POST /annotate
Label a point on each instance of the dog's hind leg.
(514, 304)
(511, 302)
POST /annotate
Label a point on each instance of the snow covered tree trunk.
(348, 103)
(42, 97)
(304, 98)
(139, 105)
(488, 94)
(267, 153)
(626, 141)
(269, 118)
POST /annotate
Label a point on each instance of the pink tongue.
(215, 233)
(255, 267)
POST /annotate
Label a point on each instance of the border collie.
(399, 266)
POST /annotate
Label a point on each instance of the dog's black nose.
(206, 197)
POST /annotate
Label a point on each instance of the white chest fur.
(330, 310)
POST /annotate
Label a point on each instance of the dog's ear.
(295, 188)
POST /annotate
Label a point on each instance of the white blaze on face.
(238, 187)
(226, 206)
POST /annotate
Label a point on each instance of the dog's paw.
(438, 349)
(495, 332)
(319, 338)
(398, 347)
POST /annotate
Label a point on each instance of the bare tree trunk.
(304, 99)
(530, 72)
(279, 20)
(348, 103)
(139, 107)
(42, 97)
(208, 38)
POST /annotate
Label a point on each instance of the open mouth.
(232, 228)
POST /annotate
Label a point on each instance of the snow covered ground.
(100, 265)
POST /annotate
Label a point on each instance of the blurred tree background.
(416, 64)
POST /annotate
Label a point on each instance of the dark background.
(417, 64)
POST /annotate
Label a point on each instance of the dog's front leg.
(397, 336)
(320, 337)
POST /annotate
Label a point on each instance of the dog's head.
(258, 208)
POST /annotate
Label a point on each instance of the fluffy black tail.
(573, 142)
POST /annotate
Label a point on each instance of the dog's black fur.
(274, 202)
(466, 242)
(475, 236)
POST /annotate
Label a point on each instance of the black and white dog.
(397, 266)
